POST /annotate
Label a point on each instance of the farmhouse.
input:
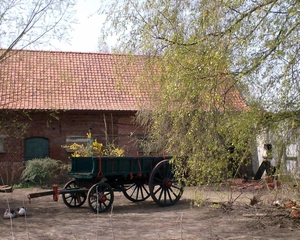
(49, 99)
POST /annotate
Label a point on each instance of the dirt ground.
(213, 219)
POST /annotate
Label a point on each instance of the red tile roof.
(44, 80)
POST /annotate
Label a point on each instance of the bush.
(42, 170)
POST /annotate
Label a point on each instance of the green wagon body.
(124, 167)
(95, 179)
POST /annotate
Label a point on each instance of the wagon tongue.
(55, 192)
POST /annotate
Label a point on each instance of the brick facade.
(57, 126)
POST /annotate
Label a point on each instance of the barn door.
(36, 148)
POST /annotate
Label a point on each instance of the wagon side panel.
(84, 167)
(124, 166)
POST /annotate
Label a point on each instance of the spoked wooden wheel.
(164, 189)
(100, 197)
(73, 200)
(136, 192)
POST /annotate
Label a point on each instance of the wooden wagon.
(95, 179)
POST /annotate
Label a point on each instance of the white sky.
(85, 34)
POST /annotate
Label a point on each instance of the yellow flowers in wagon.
(79, 150)
(93, 148)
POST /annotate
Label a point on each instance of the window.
(79, 139)
(36, 147)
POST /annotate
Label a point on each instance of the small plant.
(199, 200)
(23, 185)
(41, 170)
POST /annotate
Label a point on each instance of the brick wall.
(57, 126)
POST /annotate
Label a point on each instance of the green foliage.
(210, 52)
(260, 39)
(41, 170)
(206, 140)
(23, 185)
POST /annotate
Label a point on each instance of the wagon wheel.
(100, 197)
(164, 189)
(73, 200)
(136, 192)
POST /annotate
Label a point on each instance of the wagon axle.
(167, 183)
(101, 198)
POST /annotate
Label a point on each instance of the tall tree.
(263, 35)
(207, 51)
(25, 24)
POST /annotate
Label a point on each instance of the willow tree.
(209, 54)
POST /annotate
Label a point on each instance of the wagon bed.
(98, 167)
(97, 178)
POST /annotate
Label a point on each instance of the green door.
(36, 148)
